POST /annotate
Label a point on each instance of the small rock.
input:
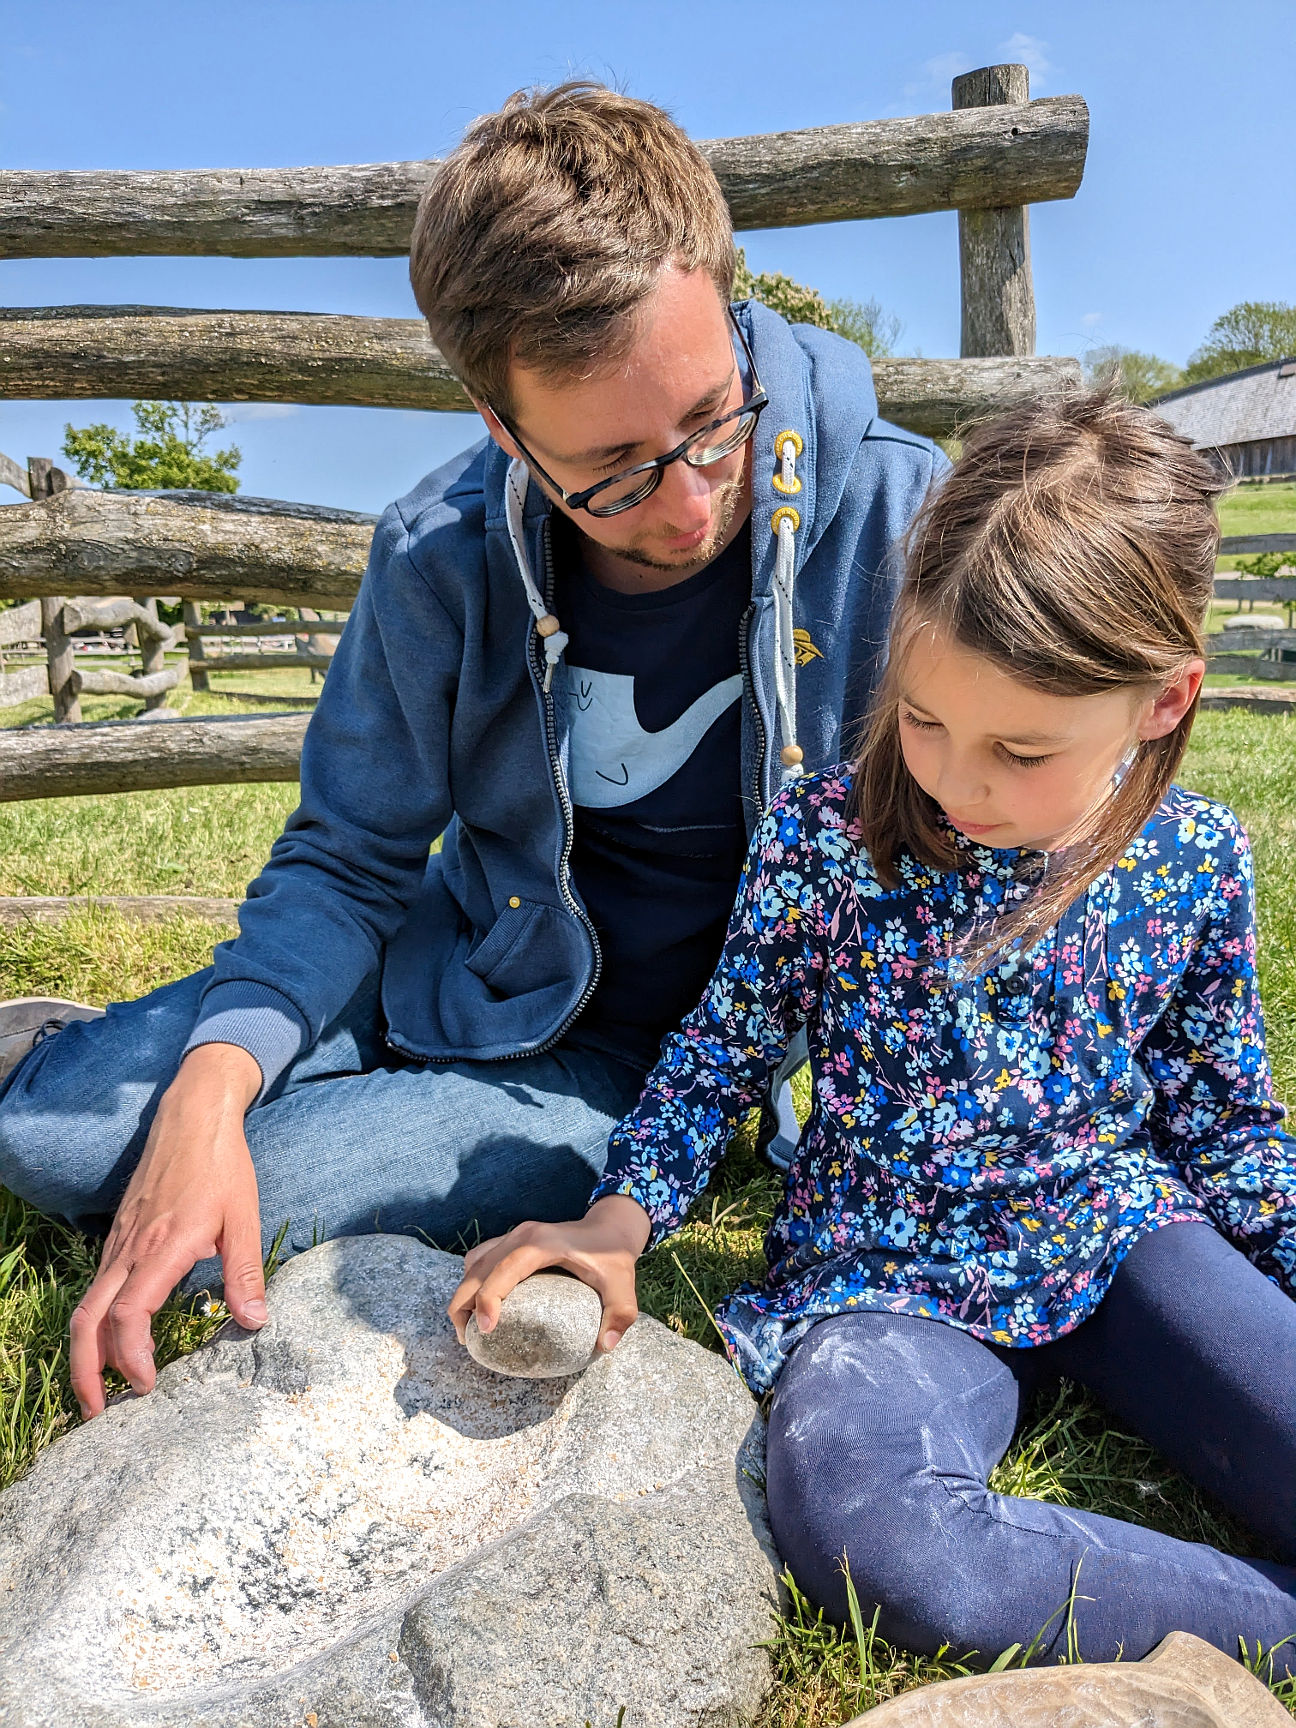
(1184, 1683)
(1254, 621)
(548, 1327)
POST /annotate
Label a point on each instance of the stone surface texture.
(547, 1327)
(1184, 1683)
(342, 1517)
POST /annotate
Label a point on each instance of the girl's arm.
(765, 987)
(1214, 1114)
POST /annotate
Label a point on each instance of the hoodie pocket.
(504, 938)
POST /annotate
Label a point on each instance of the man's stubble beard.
(730, 497)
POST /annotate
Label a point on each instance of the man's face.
(679, 373)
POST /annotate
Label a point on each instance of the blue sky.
(1185, 207)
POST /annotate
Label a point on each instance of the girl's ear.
(1169, 708)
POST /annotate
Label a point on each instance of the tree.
(167, 454)
(1142, 376)
(1248, 334)
(862, 321)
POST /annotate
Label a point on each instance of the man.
(583, 654)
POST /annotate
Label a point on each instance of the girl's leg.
(1195, 1350)
(882, 1435)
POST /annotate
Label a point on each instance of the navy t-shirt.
(655, 702)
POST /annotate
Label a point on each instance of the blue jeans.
(349, 1140)
(885, 1428)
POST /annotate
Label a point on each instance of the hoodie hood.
(815, 381)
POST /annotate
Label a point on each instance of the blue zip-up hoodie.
(435, 720)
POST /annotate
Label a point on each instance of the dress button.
(514, 902)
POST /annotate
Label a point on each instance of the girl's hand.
(601, 1249)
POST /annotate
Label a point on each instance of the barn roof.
(1256, 403)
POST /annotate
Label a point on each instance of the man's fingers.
(243, 1273)
(88, 1331)
(130, 1315)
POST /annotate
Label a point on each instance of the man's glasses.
(710, 443)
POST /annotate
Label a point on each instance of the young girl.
(1043, 1139)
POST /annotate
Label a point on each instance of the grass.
(1258, 510)
(211, 840)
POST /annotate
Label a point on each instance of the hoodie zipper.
(568, 814)
(749, 683)
(564, 861)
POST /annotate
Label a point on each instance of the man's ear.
(496, 428)
(1174, 702)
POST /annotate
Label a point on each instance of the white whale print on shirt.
(613, 760)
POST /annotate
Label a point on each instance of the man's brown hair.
(1074, 546)
(548, 226)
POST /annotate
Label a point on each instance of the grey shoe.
(25, 1021)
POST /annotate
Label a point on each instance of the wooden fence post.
(58, 652)
(994, 245)
(44, 480)
(199, 679)
(152, 654)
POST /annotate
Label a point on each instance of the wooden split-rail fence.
(56, 630)
(992, 156)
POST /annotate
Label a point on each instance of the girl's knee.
(844, 1455)
(881, 1435)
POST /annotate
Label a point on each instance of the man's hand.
(193, 1194)
(601, 1249)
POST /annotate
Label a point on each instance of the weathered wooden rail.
(1023, 153)
(61, 536)
(322, 358)
(140, 908)
(201, 546)
(123, 756)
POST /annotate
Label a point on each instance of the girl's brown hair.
(1074, 546)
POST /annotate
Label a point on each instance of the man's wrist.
(222, 1072)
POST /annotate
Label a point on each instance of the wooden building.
(1246, 419)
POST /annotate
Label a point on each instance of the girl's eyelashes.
(921, 725)
(1022, 761)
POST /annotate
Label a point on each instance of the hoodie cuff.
(257, 1019)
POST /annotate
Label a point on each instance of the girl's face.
(1012, 766)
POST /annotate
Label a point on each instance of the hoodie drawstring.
(548, 628)
(785, 522)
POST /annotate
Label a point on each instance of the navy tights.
(885, 1428)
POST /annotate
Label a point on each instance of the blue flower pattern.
(980, 1150)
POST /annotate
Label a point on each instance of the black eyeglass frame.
(754, 405)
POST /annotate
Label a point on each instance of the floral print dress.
(980, 1151)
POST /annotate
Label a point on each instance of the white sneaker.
(25, 1021)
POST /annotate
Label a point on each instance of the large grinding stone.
(343, 1517)
(1184, 1683)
